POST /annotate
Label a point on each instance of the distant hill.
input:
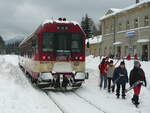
(18, 38)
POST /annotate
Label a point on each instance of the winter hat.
(137, 63)
(122, 63)
(111, 62)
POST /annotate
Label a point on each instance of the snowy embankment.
(17, 95)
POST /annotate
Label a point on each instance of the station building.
(94, 46)
(127, 31)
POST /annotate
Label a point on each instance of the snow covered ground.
(18, 95)
(108, 101)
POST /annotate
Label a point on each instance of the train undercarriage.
(57, 81)
(61, 80)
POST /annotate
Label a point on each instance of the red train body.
(54, 55)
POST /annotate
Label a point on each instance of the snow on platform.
(108, 101)
(18, 96)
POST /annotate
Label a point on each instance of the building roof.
(141, 3)
(95, 39)
(112, 10)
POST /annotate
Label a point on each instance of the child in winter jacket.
(111, 68)
(120, 77)
(103, 73)
(137, 74)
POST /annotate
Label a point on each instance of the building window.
(111, 30)
(135, 23)
(120, 27)
(99, 51)
(127, 25)
(146, 21)
(105, 50)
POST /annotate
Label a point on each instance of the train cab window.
(63, 42)
(47, 42)
(76, 43)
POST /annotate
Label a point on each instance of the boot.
(133, 99)
(117, 96)
(137, 100)
(123, 97)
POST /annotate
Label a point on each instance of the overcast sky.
(21, 17)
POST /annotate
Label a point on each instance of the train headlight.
(44, 57)
(48, 57)
(76, 58)
(80, 58)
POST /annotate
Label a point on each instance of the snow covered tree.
(89, 27)
(86, 25)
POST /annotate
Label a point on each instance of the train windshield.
(61, 42)
(47, 42)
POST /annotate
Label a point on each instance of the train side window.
(35, 45)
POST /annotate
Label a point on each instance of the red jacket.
(128, 57)
(103, 68)
(135, 57)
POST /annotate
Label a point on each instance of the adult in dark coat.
(137, 74)
(120, 77)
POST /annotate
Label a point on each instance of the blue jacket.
(120, 76)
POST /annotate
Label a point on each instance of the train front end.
(61, 55)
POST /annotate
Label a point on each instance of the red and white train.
(54, 55)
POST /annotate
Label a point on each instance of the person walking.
(137, 74)
(103, 67)
(135, 57)
(120, 77)
(111, 68)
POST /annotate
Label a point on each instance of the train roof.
(51, 21)
(59, 22)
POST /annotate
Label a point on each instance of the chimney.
(137, 1)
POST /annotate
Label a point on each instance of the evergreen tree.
(89, 27)
(2, 45)
(86, 25)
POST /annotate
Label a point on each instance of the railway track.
(65, 109)
(97, 107)
(58, 106)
